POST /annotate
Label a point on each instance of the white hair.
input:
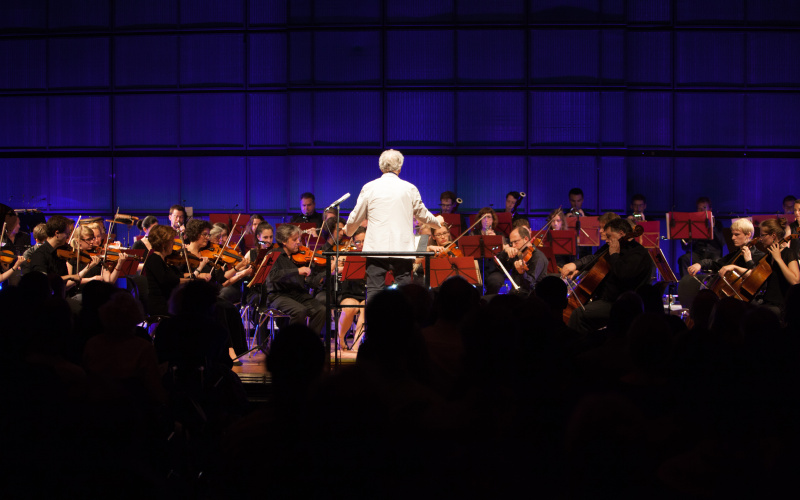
(390, 161)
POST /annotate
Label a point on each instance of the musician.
(511, 257)
(354, 292)
(177, 218)
(576, 203)
(145, 225)
(45, 259)
(40, 235)
(741, 234)
(99, 233)
(788, 204)
(794, 227)
(493, 277)
(697, 250)
(448, 202)
(218, 234)
(93, 270)
(783, 262)
(390, 205)
(250, 232)
(629, 268)
(286, 283)
(162, 278)
(308, 211)
(638, 206)
(488, 226)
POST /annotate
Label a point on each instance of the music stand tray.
(662, 265)
(455, 224)
(563, 242)
(481, 246)
(689, 226)
(589, 235)
(441, 269)
(652, 234)
(355, 268)
(131, 267)
(504, 223)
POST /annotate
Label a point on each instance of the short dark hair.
(57, 223)
(264, 225)
(619, 225)
(703, 199)
(448, 195)
(360, 230)
(789, 198)
(308, 195)
(523, 231)
(194, 228)
(147, 222)
(515, 194)
(639, 197)
(575, 191)
(329, 225)
(178, 207)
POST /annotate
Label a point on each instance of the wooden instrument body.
(586, 286)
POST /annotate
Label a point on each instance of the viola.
(306, 256)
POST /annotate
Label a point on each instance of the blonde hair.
(391, 161)
(743, 225)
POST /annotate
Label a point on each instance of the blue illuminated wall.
(232, 105)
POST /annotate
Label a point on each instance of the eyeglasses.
(87, 240)
(441, 234)
(206, 235)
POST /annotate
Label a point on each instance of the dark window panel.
(491, 56)
(431, 175)
(551, 177)
(347, 11)
(653, 177)
(78, 63)
(21, 182)
(781, 12)
(23, 15)
(347, 118)
(614, 11)
(267, 59)
(709, 11)
(301, 12)
(78, 14)
(212, 13)
(491, 118)
(212, 60)
(565, 56)
(767, 56)
(707, 177)
(612, 119)
(347, 57)
(612, 185)
(267, 180)
(485, 180)
(420, 57)
(420, 11)
(146, 61)
(268, 119)
(564, 118)
(137, 14)
(772, 121)
(214, 184)
(212, 120)
(419, 118)
(709, 120)
(263, 13)
(79, 183)
(78, 121)
(146, 120)
(612, 71)
(301, 180)
(649, 11)
(301, 49)
(23, 64)
(648, 119)
(336, 175)
(761, 193)
(23, 122)
(648, 58)
(301, 118)
(710, 58)
(152, 184)
(565, 11)
(480, 11)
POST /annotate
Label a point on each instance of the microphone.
(339, 201)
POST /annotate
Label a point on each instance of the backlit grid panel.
(705, 176)
(347, 118)
(266, 184)
(146, 120)
(651, 177)
(484, 181)
(709, 120)
(496, 56)
(564, 118)
(772, 120)
(496, 118)
(23, 64)
(612, 184)
(431, 174)
(347, 57)
(420, 118)
(147, 184)
(565, 56)
(267, 115)
(420, 57)
(551, 177)
(146, 61)
(21, 183)
(762, 194)
(336, 175)
(213, 184)
(78, 183)
(23, 122)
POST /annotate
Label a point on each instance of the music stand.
(455, 224)
(355, 268)
(267, 261)
(589, 233)
(652, 234)
(564, 242)
(689, 226)
(237, 228)
(552, 265)
(662, 265)
(481, 247)
(131, 267)
(441, 269)
(504, 222)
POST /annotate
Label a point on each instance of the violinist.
(45, 259)
(250, 232)
(783, 262)
(794, 227)
(287, 286)
(40, 235)
(145, 225)
(93, 269)
(162, 278)
(218, 234)
(354, 292)
(527, 264)
(629, 268)
(177, 218)
(493, 276)
(196, 239)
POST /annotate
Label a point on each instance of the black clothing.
(288, 292)
(629, 269)
(776, 285)
(734, 258)
(139, 245)
(315, 218)
(45, 260)
(161, 281)
(537, 269)
(697, 250)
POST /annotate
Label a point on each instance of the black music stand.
(481, 247)
(441, 269)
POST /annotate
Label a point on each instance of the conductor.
(390, 206)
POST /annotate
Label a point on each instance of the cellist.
(629, 268)
(741, 234)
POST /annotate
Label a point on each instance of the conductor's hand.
(440, 220)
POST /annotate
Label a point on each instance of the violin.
(306, 256)
(216, 253)
(113, 255)
(180, 257)
(7, 256)
(70, 254)
(525, 257)
(450, 251)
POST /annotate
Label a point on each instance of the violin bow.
(465, 232)
(108, 237)
(503, 268)
(230, 235)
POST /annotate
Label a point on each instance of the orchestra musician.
(524, 273)
(794, 227)
(286, 283)
(629, 268)
(308, 211)
(697, 250)
(218, 234)
(45, 259)
(493, 277)
(783, 262)
(448, 202)
(788, 204)
(162, 278)
(177, 218)
(40, 235)
(145, 225)
(638, 206)
(390, 205)
(250, 232)
(741, 234)
(353, 293)
(576, 203)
